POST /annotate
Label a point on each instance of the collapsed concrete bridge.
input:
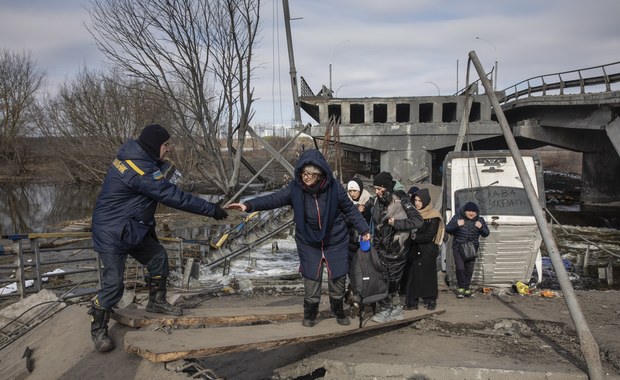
(410, 136)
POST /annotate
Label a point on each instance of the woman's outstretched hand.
(237, 206)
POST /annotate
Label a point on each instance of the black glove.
(219, 213)
(400, 194)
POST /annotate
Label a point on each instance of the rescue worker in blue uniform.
(124, 224)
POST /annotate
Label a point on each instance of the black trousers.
(151, 253)
(464, 269)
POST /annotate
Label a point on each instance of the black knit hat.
(471, 206)
(152, 137)
(384, 179)
(413, 190)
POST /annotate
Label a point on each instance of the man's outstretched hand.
(219, 213)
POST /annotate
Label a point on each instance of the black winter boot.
(157, 298)
(311, 310)
(99, 329)
(338, 310)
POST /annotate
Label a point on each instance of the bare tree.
(93, 115)
(19, 82)
(197, 54)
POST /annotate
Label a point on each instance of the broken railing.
(67, 259)
(583, 259)
(38, 257)
(595, 79)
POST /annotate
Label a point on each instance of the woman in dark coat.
(395, 220)
(422, 277)
(321, 210)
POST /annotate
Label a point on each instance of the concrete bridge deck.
(410, 136)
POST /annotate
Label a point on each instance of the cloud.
(393, 47)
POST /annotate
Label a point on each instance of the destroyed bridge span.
(410, 136)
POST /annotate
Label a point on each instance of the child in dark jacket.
(466, 226)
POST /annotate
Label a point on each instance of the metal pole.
(21, 281)
(34, 244)
(331, 56)
(589, 347)
(495, 69)
(437, 87)
(302, 130)
(457, 77)
(469, 100)
(291, 59)
(495, 81)
(330, 77)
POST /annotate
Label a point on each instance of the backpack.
(369, 282)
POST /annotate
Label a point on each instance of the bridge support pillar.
(613, 132)
(599, 178)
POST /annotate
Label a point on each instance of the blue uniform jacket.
(124, 214)
(321, 232)
(468, 231)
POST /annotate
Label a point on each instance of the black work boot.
(311, 310)
(338, 310)
(99, 329)
(157, 298)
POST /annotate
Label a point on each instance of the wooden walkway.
(199, 333)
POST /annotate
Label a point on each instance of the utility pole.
(331, 55)
(291, 59)
(589, 347)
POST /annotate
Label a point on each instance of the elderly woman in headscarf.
(321, 210)
(422, 276)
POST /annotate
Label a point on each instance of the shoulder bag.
(468, 251)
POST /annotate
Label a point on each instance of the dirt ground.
(494, 336)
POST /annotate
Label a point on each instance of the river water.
(35, 207)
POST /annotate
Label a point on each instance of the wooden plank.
(212, 317)
(159, 346)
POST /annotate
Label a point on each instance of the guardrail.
(597, 76)
(33, 269)
(37, 261)
(36, 255)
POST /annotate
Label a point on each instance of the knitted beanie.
(471, 206)
(385, 180)
(152, 138)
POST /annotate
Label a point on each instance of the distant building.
(278, 130)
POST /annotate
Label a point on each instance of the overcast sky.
(377, 48)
